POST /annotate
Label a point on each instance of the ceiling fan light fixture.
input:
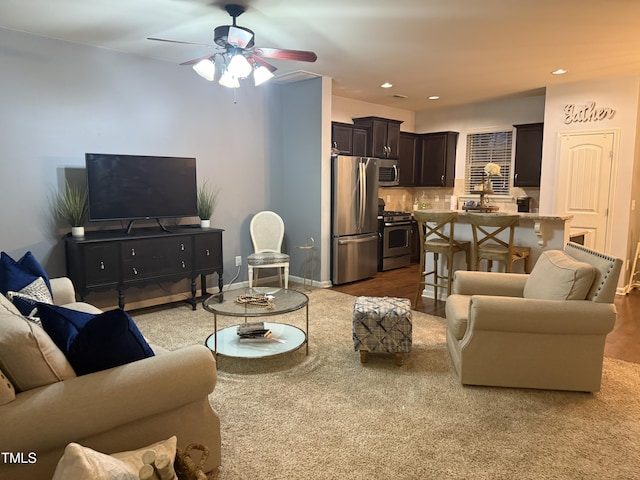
(261, 75)
(228, 80)
(239, 66)
(237, 57)
(206, 69)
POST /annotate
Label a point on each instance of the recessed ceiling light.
(560, 71)
(434, 97)
(386, 85)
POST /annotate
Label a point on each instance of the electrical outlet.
(238, 261)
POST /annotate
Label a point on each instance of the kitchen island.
(538, 231)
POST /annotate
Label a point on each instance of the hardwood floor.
(622, 343)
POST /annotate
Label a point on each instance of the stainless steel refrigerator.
(354, 221)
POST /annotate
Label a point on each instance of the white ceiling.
(465, 51)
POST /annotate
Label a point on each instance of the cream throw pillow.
(28, 356)
(82, 463)
(557, 276)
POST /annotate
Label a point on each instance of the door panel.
(583, 189)
(345, 196)
(370, 212)
(354, 258)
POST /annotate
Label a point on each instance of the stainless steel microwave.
(388, 173)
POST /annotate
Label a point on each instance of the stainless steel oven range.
(395, 239)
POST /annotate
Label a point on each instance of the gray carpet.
(327, 416)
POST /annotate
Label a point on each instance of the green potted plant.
(207, 199)
(72, 206)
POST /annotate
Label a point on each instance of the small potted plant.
(72, 206)
(206, 204)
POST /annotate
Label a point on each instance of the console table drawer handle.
(101, 265)
(182, 247)
(207, 252)
(183, 265)
(135, 271)
(133, 252)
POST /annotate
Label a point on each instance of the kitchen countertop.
(523, 215)
(537, 231)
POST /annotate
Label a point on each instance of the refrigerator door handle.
(363, 202)
(363, 239)
(363, 194)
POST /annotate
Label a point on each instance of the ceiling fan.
(237, 56)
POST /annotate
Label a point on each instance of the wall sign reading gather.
(586, 113)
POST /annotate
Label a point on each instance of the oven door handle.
(396, 224)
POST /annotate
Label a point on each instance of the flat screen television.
(131, 187)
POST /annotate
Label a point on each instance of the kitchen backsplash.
(403, 198)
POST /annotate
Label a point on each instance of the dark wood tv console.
(117, 259)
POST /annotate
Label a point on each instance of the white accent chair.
(267, 233)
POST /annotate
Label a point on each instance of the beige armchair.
(542, 330)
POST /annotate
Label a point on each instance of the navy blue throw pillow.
(15, 275)
(91, 342)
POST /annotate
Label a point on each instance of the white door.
(584, 183)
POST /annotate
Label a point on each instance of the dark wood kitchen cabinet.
(342, 138)
(409, 156)
(360, 142)
(528, 157)
(117, 260)
(349, 140)
(384, 136)
(437, 166)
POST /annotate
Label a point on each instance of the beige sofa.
(123, 408)
(543, 330)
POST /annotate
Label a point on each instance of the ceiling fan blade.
(179, 41)
(263, 63)
(283, 54)
(239, 37)
(196, 60)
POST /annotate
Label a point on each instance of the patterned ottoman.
(382, 324)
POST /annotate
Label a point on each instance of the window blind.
(490, 147)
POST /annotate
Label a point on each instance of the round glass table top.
(282, 300)
(285, 338)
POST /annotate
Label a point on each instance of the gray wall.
(299, 199)
(59, 100)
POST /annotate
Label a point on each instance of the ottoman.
(382, 325)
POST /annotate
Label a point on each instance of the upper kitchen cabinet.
(528, 158)
(349, 139)
(409, 158)
(342, 138)
(384, 136)
(438, 159)
(360, 142)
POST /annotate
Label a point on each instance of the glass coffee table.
(285, 337)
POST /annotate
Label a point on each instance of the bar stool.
(436, 229)
(487, 246)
